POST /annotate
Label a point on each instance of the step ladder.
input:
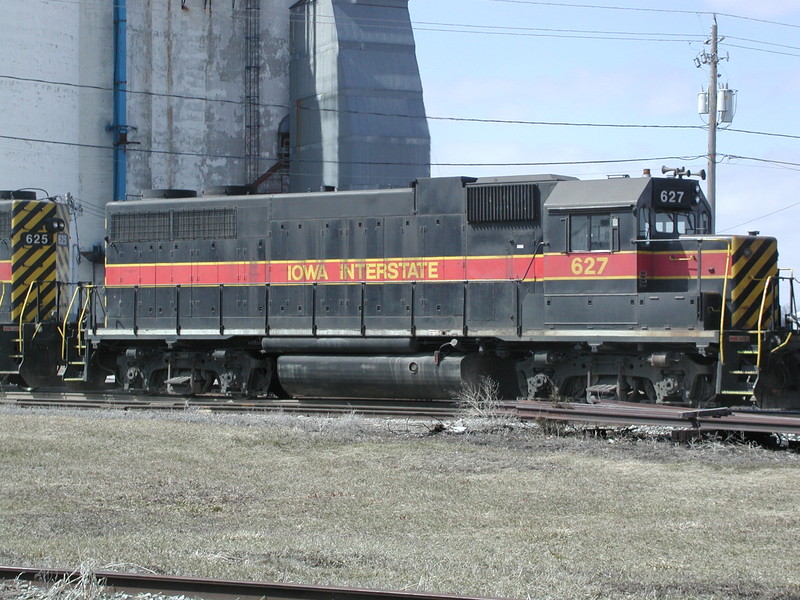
(738, 377)
(76, 363)
(74, 349)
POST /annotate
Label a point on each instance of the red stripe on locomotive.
(5, 270)
(594, 265)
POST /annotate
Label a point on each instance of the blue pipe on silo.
(119, 126)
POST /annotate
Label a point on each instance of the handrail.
(790, 279)
(761, 320)
(728, 257)
(89, 292)
(688, 238)
(686, 258)
(81, 315)
(786, 341)
(22, 316)
(64, 324)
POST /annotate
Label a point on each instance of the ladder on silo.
(252, 88)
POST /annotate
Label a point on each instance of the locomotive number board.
(39, 239)
(675, 193)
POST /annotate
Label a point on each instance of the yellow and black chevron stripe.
(39, 259)
(754, 260)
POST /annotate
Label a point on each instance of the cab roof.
(621, 193)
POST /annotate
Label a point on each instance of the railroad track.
(124, 401)
(606, 413)
(630, 413)
(218, 589)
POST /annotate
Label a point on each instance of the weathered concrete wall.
(360, 119)
(191, 57)
(54, 57)
(186, 82)
(186, 100)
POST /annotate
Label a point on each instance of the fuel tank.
(419, 376)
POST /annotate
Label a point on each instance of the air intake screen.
(501, 203)
(5, 225)
(140, 227)
(212, 223)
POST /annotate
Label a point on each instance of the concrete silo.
(359, 118)
(207, 96)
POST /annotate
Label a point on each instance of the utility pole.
(712, 124)
(710, 105)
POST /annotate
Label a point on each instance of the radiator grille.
(139, 227)
(501, 203)
(210, 223)
(5, 225)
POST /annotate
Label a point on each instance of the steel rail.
(627, 413)
(610, 413)
(218, 589)
(128, 401)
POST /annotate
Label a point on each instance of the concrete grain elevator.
(276, 95)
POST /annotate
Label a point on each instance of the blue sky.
(548, 61)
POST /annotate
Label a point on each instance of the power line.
(762, 160)
(564, 163)
(398, 115)
(741, 39)
(429, 117)
(654, 10)
(764, 133)
(500, 28)
(103, 88)
(580, 36)
(101, 4)
(370, 163)
(774, 212)
(378, 23)
(561, 123)
(598, 6)
(764, 50)
(366, 113)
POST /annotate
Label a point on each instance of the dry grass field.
(397, 505)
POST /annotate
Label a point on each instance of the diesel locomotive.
(34, 276)
(548, 285)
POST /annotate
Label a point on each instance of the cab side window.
(589, 233)
(644, 223)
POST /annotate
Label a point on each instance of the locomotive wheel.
(641, 390)
(257, 383)
(574, 388)
(155, 384)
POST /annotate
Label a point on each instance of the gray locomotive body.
(548, 285)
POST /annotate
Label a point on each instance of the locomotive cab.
(625, 290)
(676, 207)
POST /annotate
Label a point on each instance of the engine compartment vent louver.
(212, 223)
(192, 224)
(502, 203)
(5, 225)
(139, 227)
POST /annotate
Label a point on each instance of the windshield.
(673, 223)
